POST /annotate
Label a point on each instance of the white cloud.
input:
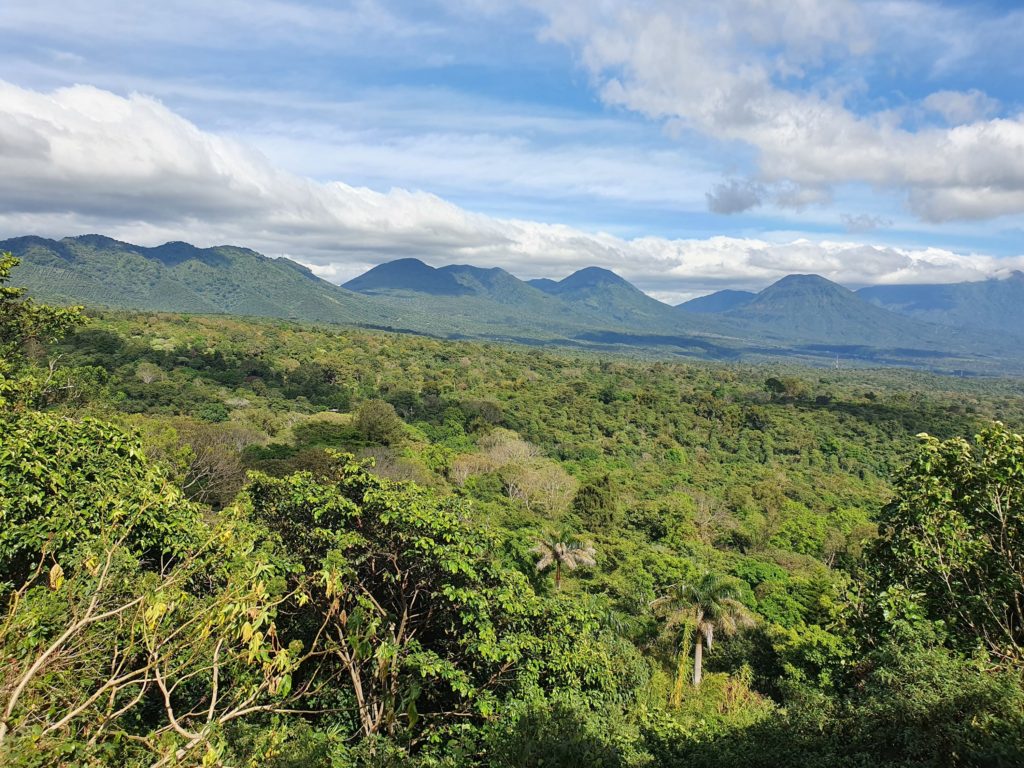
(768, 75)
(81, 159)
(959, 107)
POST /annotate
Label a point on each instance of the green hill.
(100, 271)
(407, 275)
(474, 300)
(464, 300)
(720, 301)
(816, 311)
(603, 294)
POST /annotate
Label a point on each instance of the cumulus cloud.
(864, 222)
(735, 196)
(959, 107)
(82, 159)
(759, 74)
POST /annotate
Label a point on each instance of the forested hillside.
(258, 542)
(996, 305)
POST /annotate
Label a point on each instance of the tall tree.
(378, 422)
(953, 538)
(562, 552)
(425, 629)
(24, 327)
(705, 605)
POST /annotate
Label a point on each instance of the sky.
(686, 145)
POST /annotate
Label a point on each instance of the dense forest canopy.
(257, 542)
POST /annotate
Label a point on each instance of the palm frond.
(710, 601)
(585, 555)
(565, 552)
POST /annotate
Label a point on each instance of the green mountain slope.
(813, 309)
(472, 299)
(466, 300)
(604, 297)
(996, 305)
(719, 301)
(407, 275)
(99, 271)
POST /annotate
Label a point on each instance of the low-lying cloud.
(82, 159)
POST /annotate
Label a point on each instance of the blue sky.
(686, 145)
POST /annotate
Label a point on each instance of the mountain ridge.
(800, 317)
(996, 304)
(717, 302)
(180, 277)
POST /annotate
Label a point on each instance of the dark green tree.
(595, 501)
(377, 422)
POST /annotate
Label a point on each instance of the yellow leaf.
(56, 576)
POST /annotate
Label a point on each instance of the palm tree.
(563, 552)
(705, 605)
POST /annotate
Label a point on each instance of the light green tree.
(953, 539)
(25, 327)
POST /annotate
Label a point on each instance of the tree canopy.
(239, 542)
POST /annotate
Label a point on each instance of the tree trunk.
(698, 659)
(679, 684)
(558, 575)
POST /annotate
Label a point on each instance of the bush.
(378, 422)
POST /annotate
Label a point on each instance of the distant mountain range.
(975, 327)
(992, 305)
(995, 305)
(178, 277)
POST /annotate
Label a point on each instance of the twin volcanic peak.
(591, 298)
(413, 276)
(803, 317)
(461, 279)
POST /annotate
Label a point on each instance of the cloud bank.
(779, 78)
(82, 159)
